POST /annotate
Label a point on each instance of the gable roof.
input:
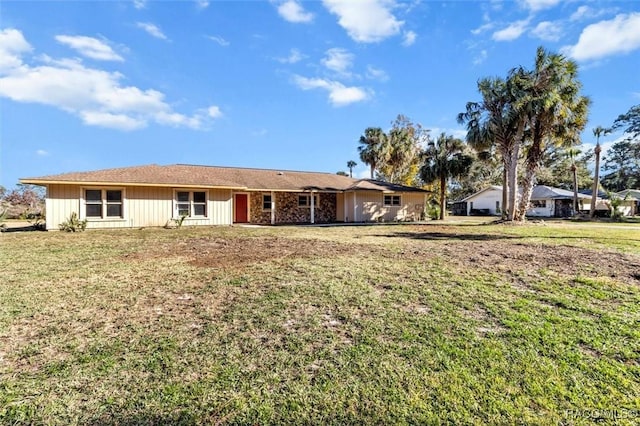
(488, 188)
(540, 192)
(185, 175)
(634, 194)
(543, 192)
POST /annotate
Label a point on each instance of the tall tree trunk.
(513, 182)
(505, 187)
(574, 170)
(596, 181)
(443, 195)
(527, 189)
(373, 168)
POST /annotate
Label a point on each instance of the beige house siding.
(142, 206)
(349, 207)
(373, 210)
(62, 200)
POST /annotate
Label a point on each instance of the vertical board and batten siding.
(221, 206)
(62, 200)
(373, 210)
(142, 206)
(349, 209)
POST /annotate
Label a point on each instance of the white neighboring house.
(631, 205)
(485, 202)
(628, 207)
(546, 201)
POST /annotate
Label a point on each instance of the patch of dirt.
(231, 253)
(492, 253)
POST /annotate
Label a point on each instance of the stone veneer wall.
(287, 210)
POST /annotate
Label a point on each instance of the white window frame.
(392, 198)
(308, 198)
(267, 209)
(539, 204)
(104, 203)
(191, 203)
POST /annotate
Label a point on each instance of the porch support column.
(355, 204)
(273, 208)
(313, 208)
(344, 207)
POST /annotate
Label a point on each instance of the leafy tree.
(342, 173)
(373, 148)
(403, 149)
(443, 159)
(622, 165)
(554, 111)
(351, 164)
(629, 122)
(557, 168)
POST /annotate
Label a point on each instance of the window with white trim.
(103, 204)
(191, 204)
(539, 203)
(391, 200)
(266, 202)
(305, 200)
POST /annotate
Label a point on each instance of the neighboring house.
(546, 201)
(485, 202)
(631, 205)
(628, 207)
(152, 195)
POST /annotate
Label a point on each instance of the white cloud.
(376, 74)
(214, 111)
(618, 35)
(409, 38)
(42, 153)
(90, 47)
(548, 31)
(292, 11)
(581, 12)
(482, 56)
(366, 21)
(139, 4)
(294, 56)
(221, 41)
(152, 29)
(511, 32)
(12, 46)
(202, 4)
(536, 5)
(483, 28)
(111, 120)
(97, 97)
(339, 94)
(338, 60)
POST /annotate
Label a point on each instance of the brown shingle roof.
(220, 177)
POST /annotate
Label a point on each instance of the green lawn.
(464, 324)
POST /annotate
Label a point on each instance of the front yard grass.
(464, 324)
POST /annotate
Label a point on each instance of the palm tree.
(554, 113)
(443, 159)
(597, 132)
(351, 164)
(372, 147)
(493, 129)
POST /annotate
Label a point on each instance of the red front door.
(242, 215)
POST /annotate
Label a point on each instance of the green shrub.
(73, 224)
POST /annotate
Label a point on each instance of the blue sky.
(291, 84)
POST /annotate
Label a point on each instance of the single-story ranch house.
(546, 201)
(153, 195)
